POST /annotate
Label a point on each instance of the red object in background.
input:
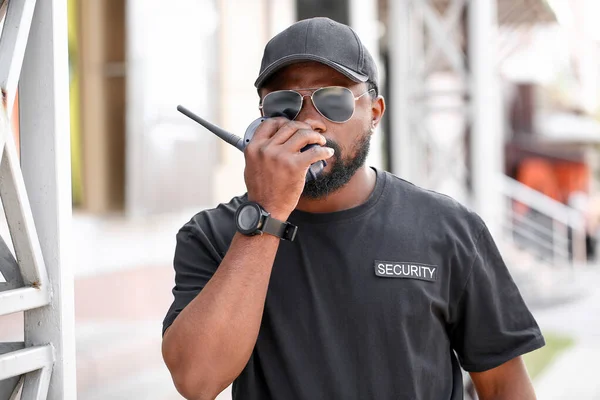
(555, 179)
(538, 174)
(571, 177)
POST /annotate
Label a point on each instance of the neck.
(354, 193)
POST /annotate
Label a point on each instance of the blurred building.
(552, 105)
(135, 61)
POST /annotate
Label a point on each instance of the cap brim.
(296, 58)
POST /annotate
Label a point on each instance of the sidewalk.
(574, 373)
(123, 281)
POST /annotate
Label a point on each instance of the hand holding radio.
(277, 159)
(284, 155)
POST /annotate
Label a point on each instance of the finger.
(287, 131)
(268, 128)
(314, 154)
(302, 138)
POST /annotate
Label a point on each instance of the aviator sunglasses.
(335, 103)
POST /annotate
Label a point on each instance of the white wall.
(246, 27)
(172, 59)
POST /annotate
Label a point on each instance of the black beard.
(342, 171)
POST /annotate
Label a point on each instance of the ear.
(377, 111)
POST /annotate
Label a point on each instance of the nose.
(308, 114)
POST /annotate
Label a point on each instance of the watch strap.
(283, 230)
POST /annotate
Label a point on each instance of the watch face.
(248, 218)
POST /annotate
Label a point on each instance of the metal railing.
(548, 229)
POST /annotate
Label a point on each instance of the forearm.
(513, 393)
(508, 381)
(210, 342)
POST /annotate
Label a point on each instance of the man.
(380, 287)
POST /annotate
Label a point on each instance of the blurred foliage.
(538, 360)
(74, 100)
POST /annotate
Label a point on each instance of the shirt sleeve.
(195, 262)
(492, 323)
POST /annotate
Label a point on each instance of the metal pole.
(364, 21)
(399, 78)
(45, 160)
(487, 145)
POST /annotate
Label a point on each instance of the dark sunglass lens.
(335, 103)
(282, 104)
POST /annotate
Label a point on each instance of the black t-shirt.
(373, 302)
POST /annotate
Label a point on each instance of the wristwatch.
(251, 219)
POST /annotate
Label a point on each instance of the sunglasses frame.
(315, 90)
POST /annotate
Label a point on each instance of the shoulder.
(214, 225)
(435, 210)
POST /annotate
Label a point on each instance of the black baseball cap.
(323, 40)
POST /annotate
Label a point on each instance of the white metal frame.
(34, 57)
(12, 46)
(35, 363)
(413, 60)
(423, 41)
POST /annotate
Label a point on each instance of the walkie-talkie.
(313, 171)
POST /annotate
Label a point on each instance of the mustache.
(335, 146)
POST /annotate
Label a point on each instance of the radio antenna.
(230, 138)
